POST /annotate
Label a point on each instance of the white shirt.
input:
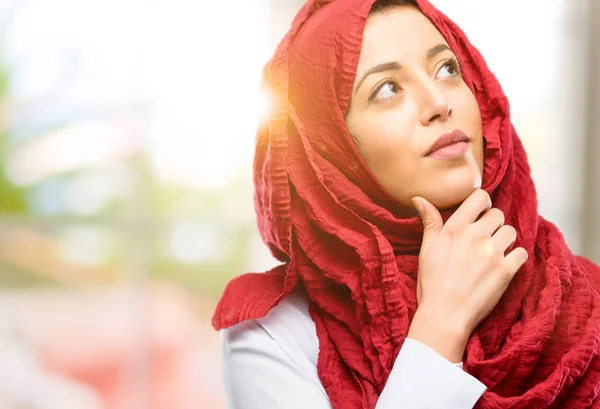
(271, 362)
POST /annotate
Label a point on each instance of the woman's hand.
(465, 266)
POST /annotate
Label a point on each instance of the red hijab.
(324, 215)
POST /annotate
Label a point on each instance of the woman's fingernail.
(417, 204)
(470, 158)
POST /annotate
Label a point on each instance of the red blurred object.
(134, 348)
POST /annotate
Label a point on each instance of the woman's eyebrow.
(436, 50)
(386, 66)
(393, 65)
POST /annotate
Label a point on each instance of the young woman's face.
(409, 92)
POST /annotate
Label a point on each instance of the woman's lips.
(449, 146)
(456, 150)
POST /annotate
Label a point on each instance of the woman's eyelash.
(380, 85)
(454, 62)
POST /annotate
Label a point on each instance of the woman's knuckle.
(473, 231)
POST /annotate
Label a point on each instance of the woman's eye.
(449, 69)
(388, 90)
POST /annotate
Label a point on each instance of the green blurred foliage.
(12, 198)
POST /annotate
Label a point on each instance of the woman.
(385, 113)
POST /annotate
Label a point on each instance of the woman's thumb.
(430, 216)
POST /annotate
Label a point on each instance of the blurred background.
(126, 143)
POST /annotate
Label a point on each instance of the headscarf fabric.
(335, 230)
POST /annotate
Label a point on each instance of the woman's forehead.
(402, 33)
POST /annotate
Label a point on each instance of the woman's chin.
(446, 190)
(456, 187)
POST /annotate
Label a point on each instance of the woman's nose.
(435, 106)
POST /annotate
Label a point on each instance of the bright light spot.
(84, 246)
(264, 105)
(193, 242)
(38, 76)
(88, 193)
